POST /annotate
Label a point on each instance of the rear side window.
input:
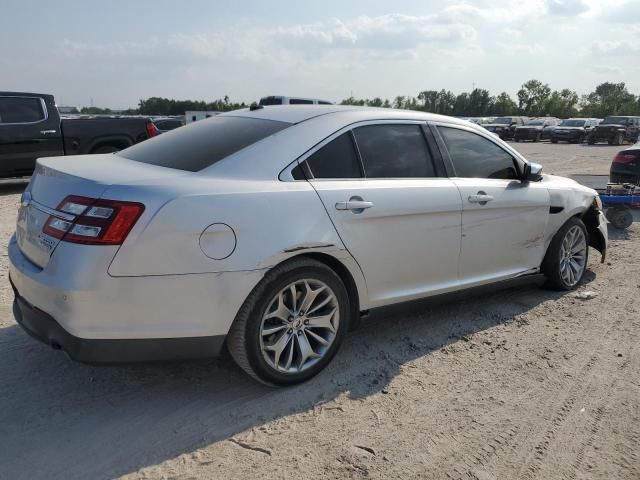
(394, 151)
(299, 101)
(473, 156)
(201, 144)
(21, 110)
(337, 159)
(271, 101)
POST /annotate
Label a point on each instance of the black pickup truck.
(31, 127)
(615, 130)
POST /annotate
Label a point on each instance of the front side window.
(394, 151)
(473, 156)
(21, 110)
(337, 159)
(300, 101)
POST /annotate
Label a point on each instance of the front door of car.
(395, 215)
(503, 218)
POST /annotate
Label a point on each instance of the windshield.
(202, 143)
(503, 120)
(535, 122)
(616, 120)
(572, 123)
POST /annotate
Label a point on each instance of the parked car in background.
(282, 100)
(31, 127)
(625, 167)
(166, 124)
(615, 130)
(270, 230)
(573, 130)
(505, 127)
(535, 129)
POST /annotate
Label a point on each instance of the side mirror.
(532, 172)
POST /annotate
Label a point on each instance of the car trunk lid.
(55, 178)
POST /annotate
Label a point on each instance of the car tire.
(562, 266)
(537, 138)
(618, 139)
(257, 329)
(591, 140)
(515, 139)
(553, 140)
(620, 217)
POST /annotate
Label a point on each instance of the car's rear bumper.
(99, 318)
(46, 329)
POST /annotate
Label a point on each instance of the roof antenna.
(254, 106)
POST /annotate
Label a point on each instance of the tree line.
(166, 106)
(533, 99)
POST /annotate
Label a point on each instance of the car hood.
(568, 128)
(558, 182)
(530, 127)
(495, 125)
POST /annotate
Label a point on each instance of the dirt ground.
(523, 383)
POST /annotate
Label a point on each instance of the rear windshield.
(201, 144)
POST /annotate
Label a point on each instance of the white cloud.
(386, 32)
(608, 70)
(615, 48)
(568, 8)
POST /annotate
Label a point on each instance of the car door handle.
(354, 205)
(48, 132)
(480, 198)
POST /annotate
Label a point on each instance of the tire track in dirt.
(536, 461)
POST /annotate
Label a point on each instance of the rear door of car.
(503, 217)
(386, 192)
(29, 129)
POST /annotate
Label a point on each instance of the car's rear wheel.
(292, 324)
(538, 137)
(566, 259)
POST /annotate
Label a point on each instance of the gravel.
(523, 383)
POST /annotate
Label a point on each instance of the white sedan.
(269, 230)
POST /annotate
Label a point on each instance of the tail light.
(97, 222)
(152, 130)
(625, 157)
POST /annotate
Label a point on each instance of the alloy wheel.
(299, 326)
(573, 255)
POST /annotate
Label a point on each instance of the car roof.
(301, 113)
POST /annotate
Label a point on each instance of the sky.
(115, 52)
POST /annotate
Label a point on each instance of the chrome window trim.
(42, 104)
(520, 160)
(286, 175)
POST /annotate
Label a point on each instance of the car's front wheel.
(566, 259)
(292, 324)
